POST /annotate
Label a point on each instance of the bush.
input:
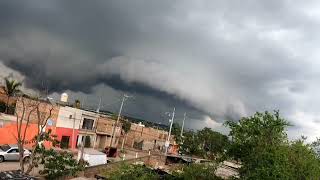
(197, 171)
(132, 172)
(62, 164)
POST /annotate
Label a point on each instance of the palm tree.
(11, 89)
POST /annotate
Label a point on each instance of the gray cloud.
(222, 59)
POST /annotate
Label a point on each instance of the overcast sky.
(217, 60)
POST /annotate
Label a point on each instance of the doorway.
(65, 142)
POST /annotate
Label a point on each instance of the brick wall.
(105, 125)
(44, 109)
(152, 138)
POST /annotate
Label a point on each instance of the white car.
(11, 153)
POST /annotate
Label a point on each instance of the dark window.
(13, 151)
(64, 144)
(87, 124)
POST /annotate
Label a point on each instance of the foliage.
(190, 145)
(11, 89)
(205, 143)
(304, 160)
(126, 126)
(197, 171)
(57, 164)
(139, 172)
(213, 143)
(261, 144)
(176, 132)
(132, 172)
(261, 130)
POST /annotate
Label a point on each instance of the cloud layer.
(218, 59)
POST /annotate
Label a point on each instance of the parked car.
(11, 153)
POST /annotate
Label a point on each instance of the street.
(9, 165)
(14, 165)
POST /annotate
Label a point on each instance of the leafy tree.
(213, 143)
(190, 144)
(304, 161)
(176, 132)
(126, 126)
(205, 143)
(260, 142)
(60, 164)
(11, 89)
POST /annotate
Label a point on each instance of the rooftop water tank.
(64, 97)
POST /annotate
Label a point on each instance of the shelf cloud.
(218, 60)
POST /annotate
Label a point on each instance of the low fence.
(150, 160)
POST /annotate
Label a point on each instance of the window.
(13, 151)
(87, 124)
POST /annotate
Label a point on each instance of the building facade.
(105, 126)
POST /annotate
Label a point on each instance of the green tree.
(304, 161)
(260, 142)
(126, 126)
(191, 144)
(205, 143)
(60, 164)
(213, 144)
(11, 89)
(197, 171)
(176, 132)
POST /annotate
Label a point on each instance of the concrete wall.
(152, 138)
(69, 117)
(67, 132)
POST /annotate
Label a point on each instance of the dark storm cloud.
(224, 59)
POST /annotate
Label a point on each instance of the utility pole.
(119, 115)
(95, 124)
(168, 140)
(73, 128)
(184, 118)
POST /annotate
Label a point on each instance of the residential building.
(146, 138)
(76, 126)
(104, 131)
